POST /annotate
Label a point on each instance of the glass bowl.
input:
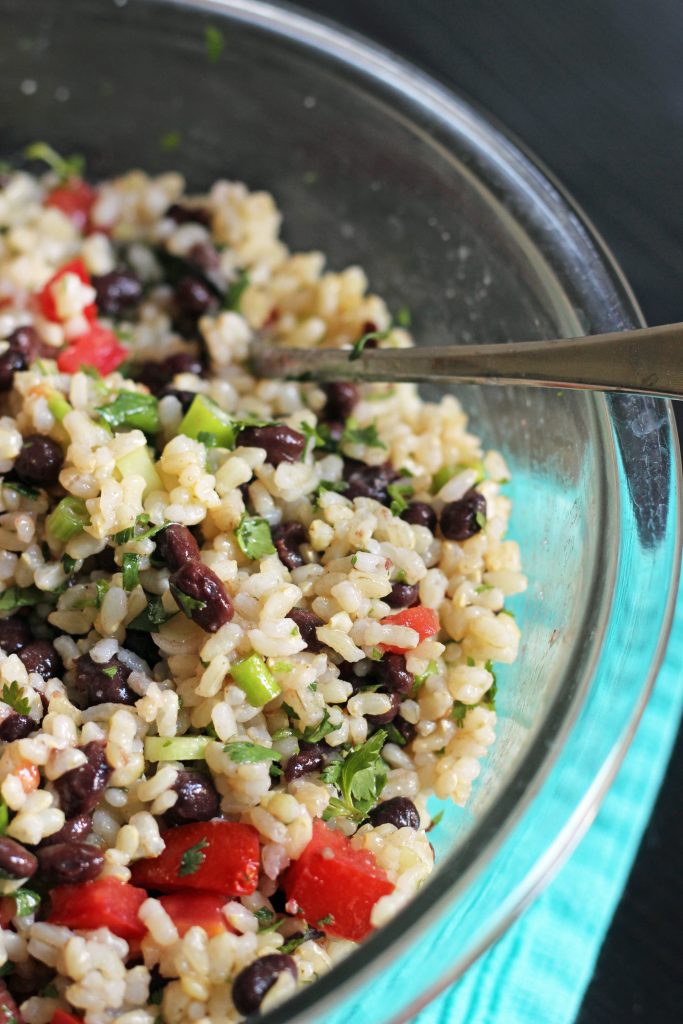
(376, 164)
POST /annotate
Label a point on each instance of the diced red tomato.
(331, 879)
(9, 1011)
(217, 856)
(193, 907)
(62, 1017)
(103, 903)
(424, 621)
(75, 199)
(46, 298)
(98, 347)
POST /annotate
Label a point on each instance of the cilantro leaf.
(254, 537)
(188, 604)
(131, 570)
(132, 409)
(315, 733)
(192, 859)
(130, 532)
(236, 289)
(154, 615)
(213, 37)
(419, 681)
(398, 492)
(101, 588)
(353, 434)
(358, 346)
(68, 564)
(250, 753)
(23, 489)
(297, 939)
(13, 695)
(458, 712)
(361, 780)
(65, 167)
(403, 317)
(207, 439)
(21, 597)
(489, 700)
(339, 486)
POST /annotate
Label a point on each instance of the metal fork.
(646, 361)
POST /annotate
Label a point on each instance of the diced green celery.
(69, 518)
(176, 748)
(58, 406)
(140, 463)
(205, 417)
(253, 676)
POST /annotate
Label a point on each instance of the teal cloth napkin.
(531, 978)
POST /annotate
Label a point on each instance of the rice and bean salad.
(247, 627)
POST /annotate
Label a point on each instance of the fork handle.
(646, 361)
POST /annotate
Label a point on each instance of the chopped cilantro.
(489, 700)
(401, 576)
(353, 434)
(254, 537)
(171, 140)
(236, 289)
(27, 902)
(207, 439)
(458, 712)
(130, 532)
(313, 439)
(13, 695)
(23, 489)
(21, 597)
(315, 733)
(360, 777)
(282, 734)
(403, 317)
(68, 564)
(6, 968)
(398, 492)
(154, 615)
(327, 919)
(101, 588)
(132, 409)
(358, 346)
(131, 570)
(296, 940)
(64, 167)
(432, 669)
(339, 486)
(192, 859)
(268, 921)
(394, 736)
(110, 671)
(506, 611)
(188, 604)
(213, 38)
(250, 753)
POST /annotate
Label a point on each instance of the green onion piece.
(69, 518)
(58, 406)
(4, 817)
(131, 570)
(132, 409)
(140, 463)
(205, 417)
(236, 289)
(27, 902)
(253, 676)
(177, 748)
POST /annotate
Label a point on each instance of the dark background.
(595, 89)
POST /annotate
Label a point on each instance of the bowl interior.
(363, 174)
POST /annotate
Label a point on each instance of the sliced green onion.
(68, 519)
(253, 676)
(205, 417)
(140, 463)
(58, 406)
(177, 748)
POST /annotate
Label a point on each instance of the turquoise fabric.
(538, 972)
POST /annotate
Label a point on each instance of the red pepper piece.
(424, 621)
(98, 347)
(48, 306)
(332, 880)
(75, 198)
(62, 1017)
(193, 907)
(9, 1011)
(217, 856)
(103, 903)
(8, 908)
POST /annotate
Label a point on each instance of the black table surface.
(595, 88)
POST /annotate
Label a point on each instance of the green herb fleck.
(250, 753)
(101, 588)
(480, 519)
(506, 611)
(23, 489)
(154, 615)
(207, 439)
(358, 346)
(64, 167)
(171, 140)
(6, 969)
(315, 733)
(394, 736)
(353, 434)
(327, 919)
(213, 38)
(192, 859)
(398, 493)
(132, 409)
(360, 778)
(296, 941)
(21, 597)
(131, 570)
(339, 486)
(254, 537)
(236, 289)
(489, 700)
(13, 695)
(458, 712)
(110, 671)
(403, 317)
(432, 669)
(188, 604)
(68, 564)
(482, 588)
(27, 902)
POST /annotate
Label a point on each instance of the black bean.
(368, 481)
(28, 978)
(394, 675)
(206, 256)
(347, 672)
(72, 831)
(99, 685)
(405, 729)
(15, 633)
(342, 396)
(69, 863)
(399, 811)
(39, 461)
(201, 595)
(403, 595)
(308, 622)
(288, 538)
(462, 519)
(158, 375)
(419, 513)
(194, 297)
(303, 762)
(252, 983)
(186, 398)
(176, 546)
(142, 644)
(80, 788)
(182, 214)
(40, 656)
(197, 799)
(282, 444)
(387, 716)
(16, 727)
(118, 292)
(24, 344)
(15, 861)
